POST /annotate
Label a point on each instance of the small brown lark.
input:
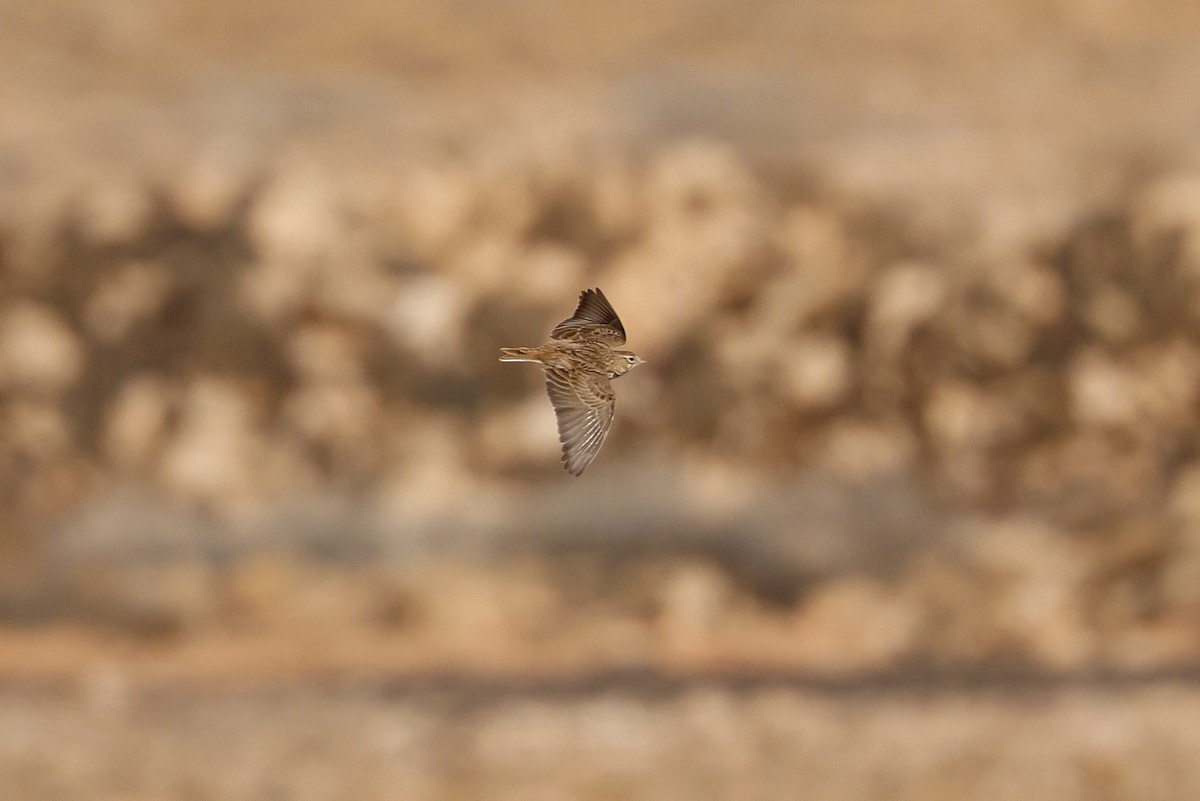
(580, 361)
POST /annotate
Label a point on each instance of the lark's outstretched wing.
(594, 318)
(583, 404)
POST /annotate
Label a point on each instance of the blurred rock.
(962, 417)
(278, 591)
(436, 204)
(704, 230)
(136, 423)
(816, 372)
(426, 317)
(1041, 576)
(1037, 293)
(520, 435)
(146, 600)
(855, 624)
(1157, 387)
(857, 451)
(343, 419)
(550, 273)
(716, 488)
(996, 336)
(206, 190)
(36, 432)
(1184, 499)
(485, 263)
(213, 457)
(274, 290)
(1113, 315)
(114, 208)
(907, 295)
(38, 350)
(615, 198)
(296, 217)
(1101, 392)
(694, 600)
(477, 609)
(326, 353)
(1170, 204)
(825, 270)
(955, 606)
(134, 292)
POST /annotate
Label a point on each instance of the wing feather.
(594, 318)
(583, 406)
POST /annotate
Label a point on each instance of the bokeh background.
(905, 503)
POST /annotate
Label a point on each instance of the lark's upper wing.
(583, 404)
(594, 318)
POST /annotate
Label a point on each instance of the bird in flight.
(580, 361)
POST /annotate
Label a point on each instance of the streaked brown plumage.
(580, 361)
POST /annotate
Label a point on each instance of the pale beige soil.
(691, 742)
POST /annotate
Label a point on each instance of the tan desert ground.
(904, 503)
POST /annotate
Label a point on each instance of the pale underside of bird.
(580, 361)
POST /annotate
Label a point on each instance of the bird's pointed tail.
(519, 355)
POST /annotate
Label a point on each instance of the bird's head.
(625, 362)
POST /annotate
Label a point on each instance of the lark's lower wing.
(583, 405)
(594, 318)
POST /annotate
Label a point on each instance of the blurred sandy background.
(905, 504)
